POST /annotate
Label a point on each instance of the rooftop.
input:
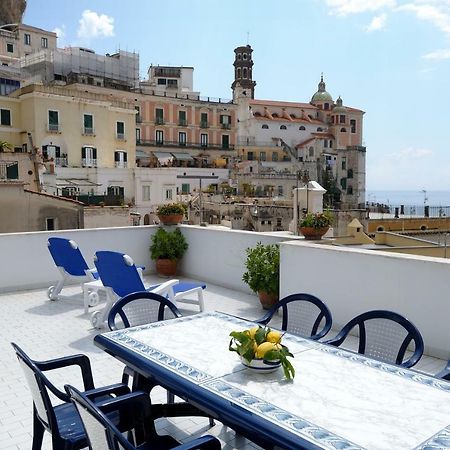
(348, 280)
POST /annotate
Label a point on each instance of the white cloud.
(60, 31)
(443, 53)
(92, 25)
(378, 23)
(438, 13)
(346, 7)
(410, 153)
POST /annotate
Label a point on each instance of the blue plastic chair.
(384, 336)
(120, 276)
(302, 314)
(61, 421)
(71, 264)
(102, 434)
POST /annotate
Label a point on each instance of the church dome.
(321, 95)
(339, 108)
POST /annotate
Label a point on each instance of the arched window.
(293, 116)
(275, 115)
(238, 72)
(343, 130)
(350, 173)
(302, 128)
(146, 219)
(244, 56)
(239, 56)
(327, 106)
(256, 114)
(283, 127)
(319, 129)
(265, 126)
(311, 151)
(244, 71)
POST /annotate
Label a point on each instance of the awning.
(163, 158)
(76, 182)
(182, 156)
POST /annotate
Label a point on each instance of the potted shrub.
(171, 213)
(167, 248)
(314, 225)
(263, 274)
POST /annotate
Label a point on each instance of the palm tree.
(4, 145)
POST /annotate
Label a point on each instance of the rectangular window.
(88, 124)
(120, 159)
(162, 81)
(203, 140)
(280, 190)
(182, 138)
(27, 39)
(120, 130)
(169, 194)
(138, 135)
(342, 118)
(274, 156)
(185, 188)
(159, 137)
(262, 156)
(225, 121)
(88, 157)
(51, 152)
(344, 164)
(225, 141)
(44, 42)
(10, 47)
(172, 83)
(353, 125)
(53, 120)
(138, 114)
(250, 156)
(146, 193)
(5, 117)
(50, 223)
(182, 118)
(204, 120)
(159, 116)
(325, 143)
(344, 183)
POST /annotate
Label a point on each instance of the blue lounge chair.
(71, 264)
(120, 277)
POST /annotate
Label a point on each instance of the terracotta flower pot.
(313, 234)
(166, 267)
(267, 300)
(171, 219)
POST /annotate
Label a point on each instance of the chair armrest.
(264, 320)
(206, 442)
(163, 288)
(74, 360)
(337, 340)
(117, 389)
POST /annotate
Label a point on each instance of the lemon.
(252, 332)
(273, 336)
(264, 348)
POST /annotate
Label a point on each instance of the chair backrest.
(67, 255)
(140, 308)
(385, 336)
(38, 384)
(303, 315)
(118, 272)
(100, 431)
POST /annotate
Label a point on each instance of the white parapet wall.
(352, 281)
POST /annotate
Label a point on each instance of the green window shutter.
(83, 152)
(12, 171)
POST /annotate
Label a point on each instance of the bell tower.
(243, 84)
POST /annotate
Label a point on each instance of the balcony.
(120, 164)
(88, 131)
(120, 136)
(138, 118)
(182, 123)
(88, 162)
(226, 126)
(151, 143)
(204, 124)
(50, 329)
(54, 128)
(159, 121)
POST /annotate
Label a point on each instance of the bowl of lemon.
(260, 350)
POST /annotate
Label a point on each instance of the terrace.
(350, 281)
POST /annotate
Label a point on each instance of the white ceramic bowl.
(261, 365)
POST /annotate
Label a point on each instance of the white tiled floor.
(47, 330)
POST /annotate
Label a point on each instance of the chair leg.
(170, 398)
(201, 302)
(38, 432)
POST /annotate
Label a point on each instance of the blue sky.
(390, 58)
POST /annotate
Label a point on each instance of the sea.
(409, 198)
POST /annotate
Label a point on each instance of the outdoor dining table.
(337, 400)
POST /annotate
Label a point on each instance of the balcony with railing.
(182, 122)
(204, 124)
(54, 127)
(165, 143)
(226, 126)
(88, 131)
(88, 162)
(120, 136)
(159, 121)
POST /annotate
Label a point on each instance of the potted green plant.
(314, 225)
(167, 248)
(171, 213)
(263, 272)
